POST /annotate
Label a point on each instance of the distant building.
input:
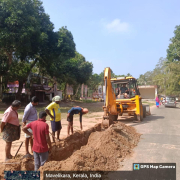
(148, 91)
(13, 87)
(35, 89)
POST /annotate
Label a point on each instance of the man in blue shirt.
(30, 115)
(124, 89)
(71, 112)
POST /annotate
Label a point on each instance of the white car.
(170, 102)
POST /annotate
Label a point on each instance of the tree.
(166, 73)
(129, 75)
(141, 80)
(173, 51)
(173, 79)
(173, 66)
(165, 76)
(23, 30)
(77, 71)
(58, 58)
(27, 38)
(94, 81)
(3, 69)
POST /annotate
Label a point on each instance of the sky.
(129, 36)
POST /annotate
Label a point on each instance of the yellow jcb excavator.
(121, 96)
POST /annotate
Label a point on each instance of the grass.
(21, 110)
(149, 103)
(92, 121)
(87, 101)
(93, 106)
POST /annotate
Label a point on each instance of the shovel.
(18, 149)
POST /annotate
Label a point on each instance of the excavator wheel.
(138, 118)
(120, 114)
(144, 111)
(141, 114)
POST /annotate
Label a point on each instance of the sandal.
(28, 156)
(10, 156)
(7, 160)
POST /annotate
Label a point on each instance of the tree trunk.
(9, 54)
(18, 95)
(21, 82)
(0, 87)
(77, 90)
(65, 97)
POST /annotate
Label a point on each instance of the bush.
(8, 98)
(88, 101)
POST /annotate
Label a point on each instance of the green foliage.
(62, 50)
(27, 40)
(77, 71)
(66, 43)
(3, 64)
(24, 32)
(88, 101)
(173, 78)
(98, 79)
(18, 70)
(166, 73)
(165, 76)
(173, 51)
(94, 81)
(23, 27)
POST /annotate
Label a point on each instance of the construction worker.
(40, 133)
(30, 115)
(10, 127)
(71, 112)
(124, 89)
(53, 110)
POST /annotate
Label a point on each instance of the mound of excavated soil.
(103, 151)
(17, 165)
(94, 149)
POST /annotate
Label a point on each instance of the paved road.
(160, 140)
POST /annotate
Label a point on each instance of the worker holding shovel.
(71, 112)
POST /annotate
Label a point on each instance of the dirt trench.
(95, 149)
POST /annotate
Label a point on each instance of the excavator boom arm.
(110, 102)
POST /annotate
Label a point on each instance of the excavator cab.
(125, 87)
(121, 96)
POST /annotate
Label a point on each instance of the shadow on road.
(168, 107)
